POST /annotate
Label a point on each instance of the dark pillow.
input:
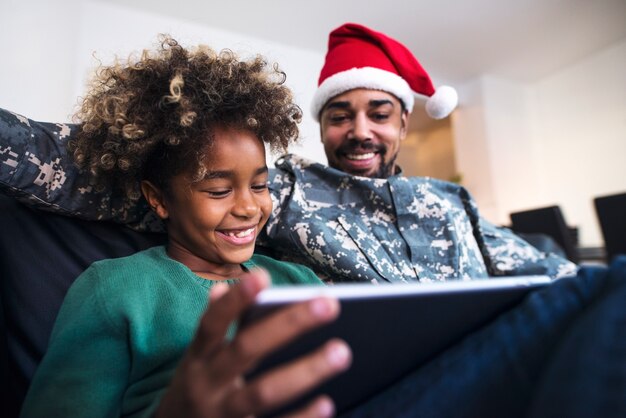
(41, 254)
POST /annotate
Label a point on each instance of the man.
(360, 219)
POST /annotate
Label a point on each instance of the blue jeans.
(560, 353)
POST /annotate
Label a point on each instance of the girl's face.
(213, 224)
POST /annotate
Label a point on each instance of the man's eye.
(338, 118)
(380, 116)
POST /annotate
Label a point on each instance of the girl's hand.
(209, 381)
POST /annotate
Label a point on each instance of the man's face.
(361, 130)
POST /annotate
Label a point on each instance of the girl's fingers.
(286, 383)
(272, 332)
(224, 308)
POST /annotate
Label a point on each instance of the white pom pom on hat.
(442, 102)
(359, 57)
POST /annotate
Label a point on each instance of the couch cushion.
(40, 256)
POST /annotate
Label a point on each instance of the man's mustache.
(355, 146)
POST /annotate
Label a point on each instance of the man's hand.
(209, 381)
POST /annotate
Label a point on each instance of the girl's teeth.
(241, 234)
(361, 156)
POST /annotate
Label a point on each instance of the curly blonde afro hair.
(152, 118)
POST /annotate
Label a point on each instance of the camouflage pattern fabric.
(400, 229)
(346, 228)
(36, 169)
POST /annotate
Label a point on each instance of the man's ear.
(155, 199)
(404, 124)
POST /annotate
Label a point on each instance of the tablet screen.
(392, 329)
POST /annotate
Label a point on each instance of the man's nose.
(361, 129)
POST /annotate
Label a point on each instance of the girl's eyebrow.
(231, 173)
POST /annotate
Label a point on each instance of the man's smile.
(360, 156)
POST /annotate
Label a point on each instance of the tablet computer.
(391, 329)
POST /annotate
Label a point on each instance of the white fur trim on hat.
(366, 77)
(442, 103)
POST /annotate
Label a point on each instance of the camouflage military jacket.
(346, 228)
(399, 229)
(36, 169)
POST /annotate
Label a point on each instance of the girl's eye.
(260, 187)
(218, 193)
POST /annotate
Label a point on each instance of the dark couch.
(40, 256)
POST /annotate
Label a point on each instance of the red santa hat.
(359, 57)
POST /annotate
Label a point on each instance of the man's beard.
(385, 169)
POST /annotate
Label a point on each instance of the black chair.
(611, 213)
(549, 221)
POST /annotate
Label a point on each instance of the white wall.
(559, 141)
(473, 156)
(52, 46)
(581, 145)
(37, 53)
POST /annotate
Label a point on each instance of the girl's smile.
(238, 236)
(213, 223)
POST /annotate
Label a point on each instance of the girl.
(185, 129)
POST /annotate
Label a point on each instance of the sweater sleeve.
(86, 367)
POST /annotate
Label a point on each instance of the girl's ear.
(155, 199)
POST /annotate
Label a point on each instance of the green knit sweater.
(123, 327)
